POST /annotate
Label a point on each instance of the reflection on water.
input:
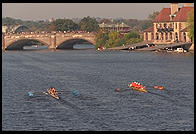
(75, 46)
(35, 47)
(96, 75)
(84, 46)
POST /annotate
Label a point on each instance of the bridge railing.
(52, 32)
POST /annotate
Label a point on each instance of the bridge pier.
(52, 42)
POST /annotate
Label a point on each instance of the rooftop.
(150, 29)
(181, 15)
(113, 25)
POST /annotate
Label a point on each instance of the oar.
(32, 93)
(120, 90)
(156, 87)
(157, 94)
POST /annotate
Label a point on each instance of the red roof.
(182, 14)
(150, 29)
(163, 15)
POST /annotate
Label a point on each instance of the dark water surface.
(96, 75)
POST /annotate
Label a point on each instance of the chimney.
(188, 5)
(174, 8)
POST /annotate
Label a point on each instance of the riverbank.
(148, 46)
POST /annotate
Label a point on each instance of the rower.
(52, 90)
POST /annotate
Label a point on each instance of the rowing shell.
(139, 89)
(55, 96)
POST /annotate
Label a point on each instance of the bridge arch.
(20, 43)
(69, 43)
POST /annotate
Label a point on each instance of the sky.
(44, 11)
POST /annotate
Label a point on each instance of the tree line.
(190, 24)
(88, 24)
(115, 38)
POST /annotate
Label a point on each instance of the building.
(51, 20)
(4, 29)
(122, 27)
(170, 25)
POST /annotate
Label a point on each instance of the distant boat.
(180, 50)
(35, 46)
(100, 48)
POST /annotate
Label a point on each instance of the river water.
(96, 75)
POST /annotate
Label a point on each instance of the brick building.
(170, 25)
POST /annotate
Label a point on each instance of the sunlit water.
(96, 75)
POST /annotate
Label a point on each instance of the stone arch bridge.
(53, 40)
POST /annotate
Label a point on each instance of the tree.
(88, 24)
(114, 38)
(51, 27)
(190, 24)
(101, 38)
(144, 24)
(132, 37)
(65, 25)
(131, 34)
(153, 15)
(8, 21)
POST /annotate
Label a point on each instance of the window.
(152, 36)
(161, 36)
(176, 34)
(176, 25)
(165, 25)
(166, 36)
(184, 37)
(157, 36)
(160, 25)
(146, 36)
(170, 25)
(170, 36)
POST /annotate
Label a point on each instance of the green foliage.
(101, 39)
(132, 37)
(8, 21)
(153, 15)
(52, 27)
(131, 34)
(144, 24)
(190, 24)
(134, 40)
(120, 42)
(33, 25)
(65, 25)
(114, 37)
(88, 24)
